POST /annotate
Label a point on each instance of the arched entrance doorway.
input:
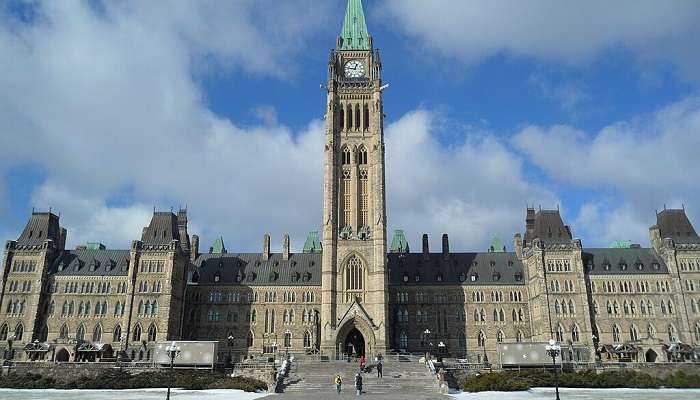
(62, 356)
(355, 336)
(354, 343)
(650, 356)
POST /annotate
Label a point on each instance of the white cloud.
(649, 161)
(471, 191)
(106, 101)
(573, 32)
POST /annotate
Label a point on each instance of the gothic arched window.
(80, 333)
(354, 277)
(63, 333)
(97, 333)
(136, 337)
(152, 333)
(117, 335)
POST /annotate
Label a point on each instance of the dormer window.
(656, 265)
(417, 277)
(251, 277)
(518, 276)
(462, 277)
(239, 276)
(510, 263)
(405, 276)
(492, 264)
(623, 266)
(273, 276)
(438, 277)
(217, 277)
(640, 266)
(590, 265)
(473, 277)
(496, 276)
(606, 266)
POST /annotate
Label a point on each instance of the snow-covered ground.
(586, 394)
(135, 394)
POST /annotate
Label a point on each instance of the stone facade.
(348, 292)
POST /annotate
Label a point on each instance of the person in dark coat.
(358, 383)
(379, 369)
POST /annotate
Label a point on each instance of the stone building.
(348, 291)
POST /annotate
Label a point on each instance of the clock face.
(354, 69)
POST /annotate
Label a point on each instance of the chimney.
(518, 245)
(530, 219)
(266, 247)
(194, 251)
(445, 246)
(285, 246)
(62, 239)
(426, 250)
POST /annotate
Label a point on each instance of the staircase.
(401, 380)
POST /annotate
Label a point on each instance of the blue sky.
(110, 109)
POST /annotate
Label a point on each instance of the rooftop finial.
(354, 35)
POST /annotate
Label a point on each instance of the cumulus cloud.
(563, 31)
(648, 161)
(105, 99)
(471, 190)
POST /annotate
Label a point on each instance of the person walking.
(379, 369)
(358, 383)
(338, 383)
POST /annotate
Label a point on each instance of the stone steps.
(408, 378)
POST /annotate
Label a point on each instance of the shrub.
(122, 379)
(523, 380)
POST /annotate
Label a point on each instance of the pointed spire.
(354, 35)
(218, 247)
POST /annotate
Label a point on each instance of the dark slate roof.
(675, 224)
(548, 227)
(595, 261)
(166, 227)
(458, 269)
(41, 226)
(302, 269)
(162, 229)
(91, 263)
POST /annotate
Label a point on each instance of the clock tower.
(354, 277)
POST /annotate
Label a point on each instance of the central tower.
(354, 284)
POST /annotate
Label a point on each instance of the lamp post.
(173, 351)
(553, 349)
(596, 341)
(441, 350)
(427, 338)
(230, 345)
(8, 352)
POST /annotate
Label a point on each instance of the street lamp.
(553, 349)
(596, 341)
(441, 351)
(173, 351)
(8, 352)
(427, 338)
(230, 345)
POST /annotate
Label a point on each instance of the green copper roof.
(399, 244)
(621, 244)
(95, 246)
(354, 34)
(218, 247)
(497, 245)
(312, 244)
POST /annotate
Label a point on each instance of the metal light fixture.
(553, 349)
